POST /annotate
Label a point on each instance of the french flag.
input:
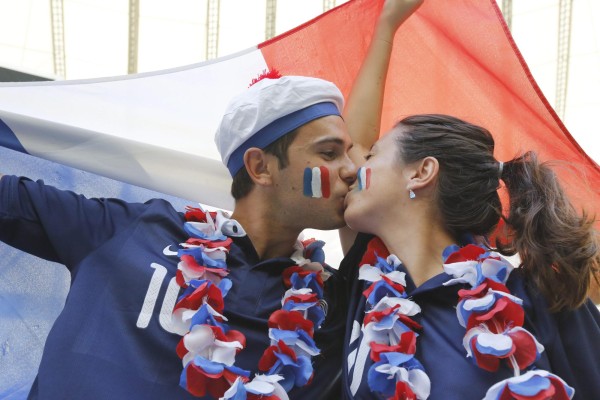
(316, 182)
(364, 178)
(156, 129)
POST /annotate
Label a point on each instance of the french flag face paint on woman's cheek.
(364, 178)
(316, 182)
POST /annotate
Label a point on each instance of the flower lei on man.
(208, 347)
(388, 328)
(494, 320)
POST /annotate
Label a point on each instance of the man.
(117, 335)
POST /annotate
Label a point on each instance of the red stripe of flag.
(325, 187)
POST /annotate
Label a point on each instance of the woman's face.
(375, 200)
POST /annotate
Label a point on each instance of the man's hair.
(242, 184)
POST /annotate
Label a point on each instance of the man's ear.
(259, 165)
(423, 173)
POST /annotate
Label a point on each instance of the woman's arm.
(364, 106)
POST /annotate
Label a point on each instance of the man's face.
(324, 144)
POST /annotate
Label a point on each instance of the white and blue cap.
(268, 110)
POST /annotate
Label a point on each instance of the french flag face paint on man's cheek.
(364, 178)
(316, 182)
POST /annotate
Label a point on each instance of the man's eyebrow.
(327, 140)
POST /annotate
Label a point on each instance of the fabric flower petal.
(369, 273)
(405, 306)
(467, 253)
(496, 269)
(533, 385)
(463, 272)
(278, 391)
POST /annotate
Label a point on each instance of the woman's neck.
(419, 248)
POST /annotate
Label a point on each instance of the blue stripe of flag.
(308, 182)
(9, 140)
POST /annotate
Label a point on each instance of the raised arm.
(364, 106)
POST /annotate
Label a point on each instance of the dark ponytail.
(558, 248)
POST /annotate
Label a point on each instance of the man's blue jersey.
(113, 338)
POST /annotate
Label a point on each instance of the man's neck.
(269, 236)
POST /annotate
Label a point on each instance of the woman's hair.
(559, 248)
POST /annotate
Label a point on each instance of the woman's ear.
(257, 164)
(423, 173)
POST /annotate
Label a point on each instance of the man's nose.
(348, 171)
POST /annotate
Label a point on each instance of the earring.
(411, 194)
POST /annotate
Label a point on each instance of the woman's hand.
(395, 12)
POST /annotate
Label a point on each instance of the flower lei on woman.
(208, 347)
(494, 320)
(388, 328)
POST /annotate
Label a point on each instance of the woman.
(430, 319)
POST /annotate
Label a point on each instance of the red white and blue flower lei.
(492, 317)
(388, 328)
(494, 320)
(208, 347)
